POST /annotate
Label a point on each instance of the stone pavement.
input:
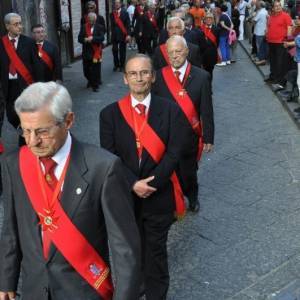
(245, 243)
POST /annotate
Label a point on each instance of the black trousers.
(187, 173)
(278, 62)
(92, 72)
(154, 231)
(14, 92)
(119, 53)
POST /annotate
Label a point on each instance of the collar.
(61, 155)
(16, 38)
(40, 43)
(146, 101)
(182, 69)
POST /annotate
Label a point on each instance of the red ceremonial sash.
(139, 10)
(97, 49)
(163, 49)
(155, 147)
(152, 19)
(184, 101)
(1, 148)
(46, 58)
(62, 232)
(14, 58)
(120, 23)
(209, 34)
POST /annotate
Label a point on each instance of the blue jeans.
(224, 48)
(261, 47)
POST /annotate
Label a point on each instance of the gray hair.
(177, 39)
(140, 55)
(92, 14)
(42, 94)
(9, 16)
(175, 19)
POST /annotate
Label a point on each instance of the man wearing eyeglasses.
(62, 203)
(189, 87)
(18, 61)
(143, 130)
(48, 53)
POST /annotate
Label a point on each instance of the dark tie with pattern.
(12, 68)
(177, 74)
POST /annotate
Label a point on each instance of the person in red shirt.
(278, 29)
(198, 13)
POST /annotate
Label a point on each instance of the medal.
(138, 143)
(181, 92)
(40, 54)
(48, 220)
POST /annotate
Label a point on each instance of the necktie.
(141, 108)
(49, 165)
(12, 69)
(177, 74)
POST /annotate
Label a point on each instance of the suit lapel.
(75, 185)
(154, 120)
(190, 78)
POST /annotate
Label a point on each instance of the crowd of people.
(82, 222)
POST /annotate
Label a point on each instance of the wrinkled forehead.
(15, 19)
(137, 64)
(175, 23)
(175, 45)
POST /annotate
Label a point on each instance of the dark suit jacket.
(44, 71)
(199, 90)
(211, 53)
(100, 20)
(117, 137)
(27, 52)
(116, 33)
(98, 38)
(194, 57)
(102, 211)
(196, 36)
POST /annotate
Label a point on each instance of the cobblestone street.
(245, 242)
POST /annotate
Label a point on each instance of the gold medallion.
(181, 93)
(48, 178)
(138, 144)
(48, 220)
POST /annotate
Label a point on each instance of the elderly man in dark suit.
(63, 201)
(18, 61)
(189, 87)
(91, 36)
(144, 131)
(120, 34)
(176, 26)
(48, 53)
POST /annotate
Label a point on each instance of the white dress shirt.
(146, 102)
(182, 70)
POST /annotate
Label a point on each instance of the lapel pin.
(78, 191)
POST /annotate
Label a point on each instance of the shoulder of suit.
(195, 70)
(110, 108)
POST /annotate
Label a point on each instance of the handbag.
(232, 36)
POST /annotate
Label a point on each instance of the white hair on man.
(176, 39)
(174, 20)
(9, 16)
(45, 94)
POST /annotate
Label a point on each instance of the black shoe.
(115, 69)
(268, 80)
(194, 206)
(95, 89)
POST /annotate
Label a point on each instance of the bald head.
(177, 51)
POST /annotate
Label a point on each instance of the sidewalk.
(264, 71)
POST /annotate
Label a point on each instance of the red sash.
(97, 49)
(163, 49)
(1, 148)
(184, 101)
(209, 34)
(45, 57)
(139, 10)
(14, 58)
(155, 147)
(62, 232)
(152, 19)
(120, 23)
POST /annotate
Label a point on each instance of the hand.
(7, 295)
(140, 33)
(285, 44)
(142, 189)
(128, 38)
(208, 147)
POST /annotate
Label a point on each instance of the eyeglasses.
(16, 24)
(134, 74)
(42, 133)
